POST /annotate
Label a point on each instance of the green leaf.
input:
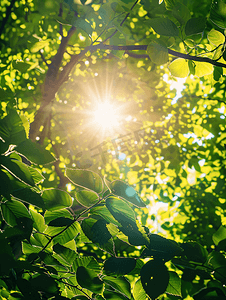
(154, 278)
(216, 37)
(219, 235)
(180, 12)
(39, 45)
(84, 25)
(67, 255)
(120, 284)
(125, 216)
(112, 295)
(138, 291)
(21, 66)
(88, 279)
(17, 169)
(195, 26)
(157, 53)
(24, 193)
(191, 66)
(62, 238)
(164, 26)
(104, 213)
(174, 286)
(60, 222)
(217, 73)
(179, 68)
(127, 192)
(39, 222)
(34, 152)
(119, 266)
(87, 198)
(55, 199)
(5, 185)
(203, 68)
(12, 129)
(86, 179)
(120, 210)
(218, 13)
(13, 210)
(36, 175)
(52, 215)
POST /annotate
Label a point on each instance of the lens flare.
(106, 116)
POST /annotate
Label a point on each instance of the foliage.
(80, 216)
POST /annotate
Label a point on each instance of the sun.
(106, 116)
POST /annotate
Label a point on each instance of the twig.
(65, 228)
(127, 15)
(75, 286)
(43, 58)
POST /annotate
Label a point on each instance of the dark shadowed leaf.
(88, 279)
(5, 184)
(60, 222)
(119, 266)
(162, 248)
(100, 233)
(164, 26)
(154, 278)
(194, 251)
(55, 199)
(195, 26)
(86, 179)
(44, 283)
(121, 189)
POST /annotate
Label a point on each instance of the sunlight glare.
(106, 116)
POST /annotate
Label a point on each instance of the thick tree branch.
(55, 80)
(51, 85)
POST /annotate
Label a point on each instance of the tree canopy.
(113, 149)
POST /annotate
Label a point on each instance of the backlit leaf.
(164, 26)
(87, 198)
(158, 53)
(55, 199)
(179, 68)
(86, 179)
(121, 189)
